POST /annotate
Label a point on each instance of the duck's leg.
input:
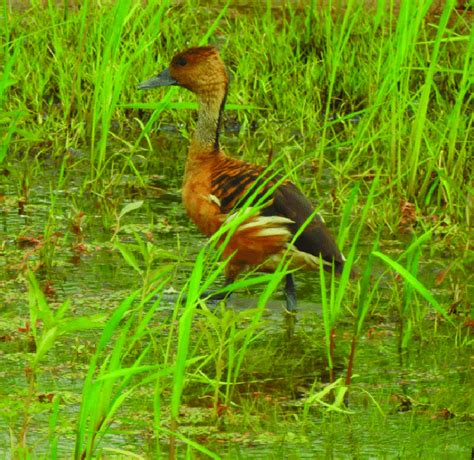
(290, 294)
(220, 295)
(211, 296)
(290, 315)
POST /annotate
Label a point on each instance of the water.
(412, 404)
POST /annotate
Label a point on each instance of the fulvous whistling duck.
(215, 184)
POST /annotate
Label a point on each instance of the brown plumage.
(215, 185)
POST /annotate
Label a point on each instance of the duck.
(216, 185)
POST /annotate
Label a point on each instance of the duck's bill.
(163, 79)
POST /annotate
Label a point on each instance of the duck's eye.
(181, 61)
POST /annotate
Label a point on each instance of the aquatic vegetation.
(108, 343)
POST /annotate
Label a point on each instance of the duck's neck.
(206, 135)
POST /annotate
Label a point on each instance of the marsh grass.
(414, 98)
(331, 307)
(364, 109)
(54, 324)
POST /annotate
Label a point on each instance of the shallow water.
(424, 395)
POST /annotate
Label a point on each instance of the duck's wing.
(315, 238)
(234, 181)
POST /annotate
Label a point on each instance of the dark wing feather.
(315, 239)
(233, 180)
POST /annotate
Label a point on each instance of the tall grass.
(400, 102)
(339, 99)
(375, 101)
(331, 307)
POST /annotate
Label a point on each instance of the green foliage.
(370, 109)
(337, 292)
(54, 324)
(384, 91)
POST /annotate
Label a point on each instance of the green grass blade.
(409, 278)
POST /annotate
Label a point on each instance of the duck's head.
(199, 69)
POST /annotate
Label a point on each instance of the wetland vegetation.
(107, 348)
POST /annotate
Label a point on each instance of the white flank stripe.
(266, 221)
(274, 231)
